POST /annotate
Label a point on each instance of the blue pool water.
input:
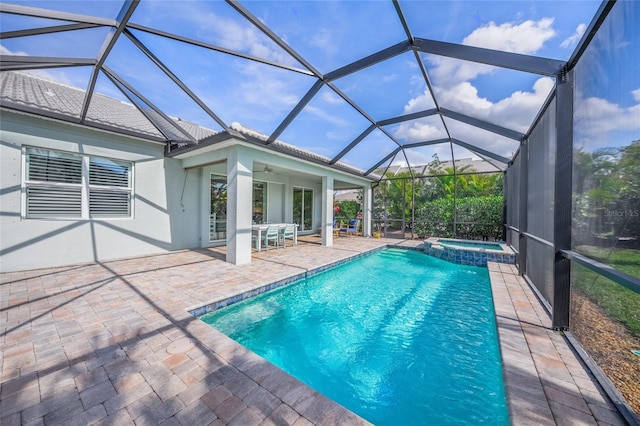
(478, 245)
(397, 337)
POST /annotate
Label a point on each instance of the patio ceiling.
(360, 86)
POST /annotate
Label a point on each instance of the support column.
(239, 193)
(562, 199)
(327, 210)
(367, 210)
(523, 209)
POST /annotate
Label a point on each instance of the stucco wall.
(165, 206)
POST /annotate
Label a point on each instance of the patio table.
(263, 227)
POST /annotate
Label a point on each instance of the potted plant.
(377, 233)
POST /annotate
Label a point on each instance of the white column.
(327, 210)
(367, 214)
(288, 201)
(239, 193)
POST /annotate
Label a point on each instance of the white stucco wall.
(275, 202)
(165, 217)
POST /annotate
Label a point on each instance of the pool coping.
(546, 382)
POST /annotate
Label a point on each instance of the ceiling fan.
(267, 169)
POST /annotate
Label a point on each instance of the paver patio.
(114, 343)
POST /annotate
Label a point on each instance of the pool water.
(397, 337)
(478, 245)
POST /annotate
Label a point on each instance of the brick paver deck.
(114, 343)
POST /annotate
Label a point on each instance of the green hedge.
(435, 218)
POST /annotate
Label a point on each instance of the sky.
(328, 35)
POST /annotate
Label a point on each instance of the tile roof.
(20, 90)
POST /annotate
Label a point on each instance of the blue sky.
(329, 35)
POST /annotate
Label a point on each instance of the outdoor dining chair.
(271, 234)
(289, 231)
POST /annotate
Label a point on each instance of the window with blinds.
(109, 183)
(63, 185)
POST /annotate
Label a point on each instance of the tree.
(347, 209)
(629, 168)
(607, 194)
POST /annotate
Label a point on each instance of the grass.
(620, 303)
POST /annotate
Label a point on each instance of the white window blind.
(55, 181)
(52, 201)
(50, 166)
(109, 183)
(54, 186)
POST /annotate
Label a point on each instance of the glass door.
(218, 210)
(259, 212)
(303, 208)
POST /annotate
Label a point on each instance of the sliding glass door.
(303, 208)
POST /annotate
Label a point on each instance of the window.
(64, 185)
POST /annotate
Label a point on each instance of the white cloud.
(482, 138)
(325, 40)
(526, 38)
(327, 117)
(331, 98)
(454, 90)
(575, 37)
(636, 94)
(420, 103)
(5, 51)
(389, 78)
(463, 97)
(419, 131)
(450, 72)
(597, 120)
(231, 34)
(248, 39)
(265, 88)
(518, 110)
(514, 112)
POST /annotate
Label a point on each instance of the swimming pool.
(471, 244)
(397, 337)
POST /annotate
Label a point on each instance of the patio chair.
(352, 228)
(271, 234)
(289, 231)
(336, 228)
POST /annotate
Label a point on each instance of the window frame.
(85, 186)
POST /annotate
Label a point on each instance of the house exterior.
(72, 193)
